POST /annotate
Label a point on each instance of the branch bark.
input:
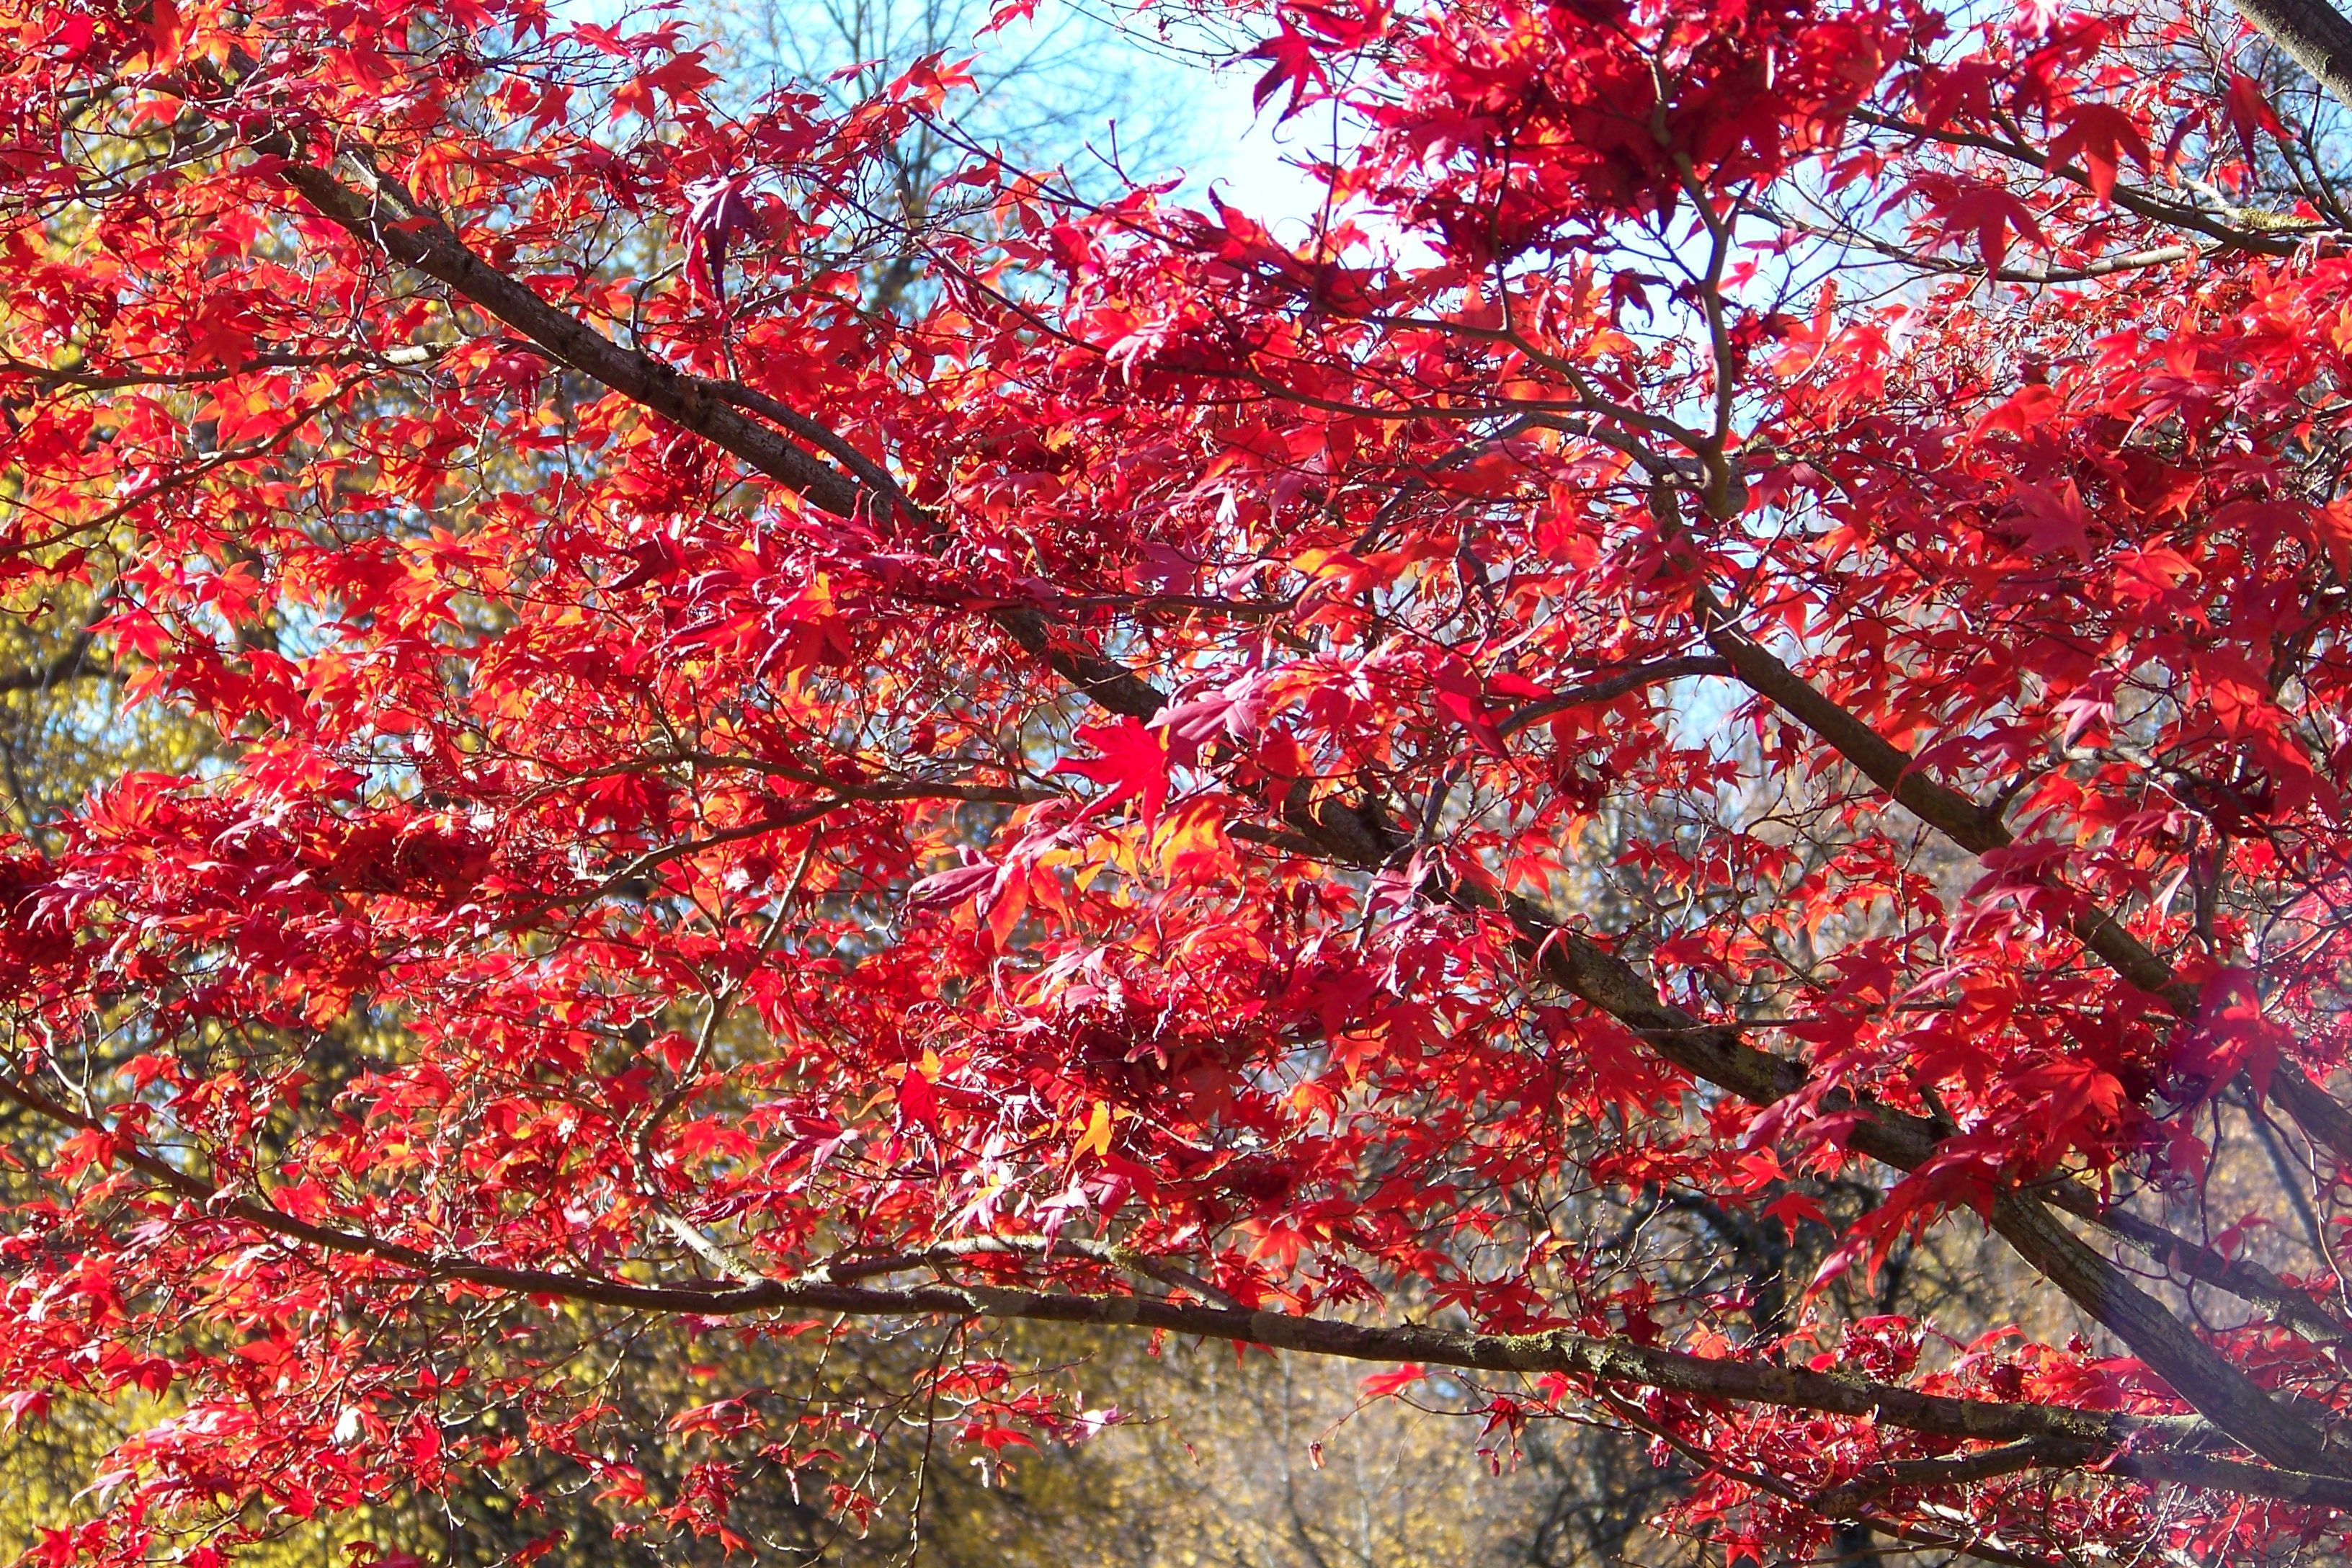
(72, 663)
(1718, 1055)
(2196, 1370)
(2312, 33)
(1746, 1381)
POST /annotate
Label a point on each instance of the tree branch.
(1717, 1054)
(1705, 1377)
(2312, 33)
(73, 663)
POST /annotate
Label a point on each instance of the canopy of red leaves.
(1756, 604)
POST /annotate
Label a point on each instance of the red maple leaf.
(1132, 760)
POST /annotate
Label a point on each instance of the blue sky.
(1245, 154)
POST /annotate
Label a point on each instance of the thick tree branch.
(1755, 1383)
(2312, 33)
(1609, 688)
(2241, 1276)
(1981, 832)
(2196, 1371)
(384, 218)
(71, 663)
(1716, 1053)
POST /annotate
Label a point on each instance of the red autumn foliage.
(1760, 605)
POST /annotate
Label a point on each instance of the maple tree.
(1754, 621)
